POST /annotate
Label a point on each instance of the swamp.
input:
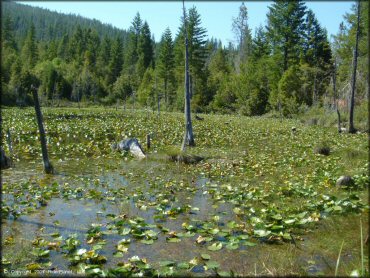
(261, 202)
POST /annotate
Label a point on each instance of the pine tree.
(219, 71)
(144, 50)
(9, 51)
(116, 61)
(243, 35)
(285, 30)
(132, 55)
(166, 62)
(197, 58)
(316, 54)
(62, 50)
(188, 136)
(105, 51)
(29, 50)
(316, 49)
(8, 40)
(260, 46)
(77, 45)
(92, 45)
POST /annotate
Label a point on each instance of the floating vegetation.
(107, 213)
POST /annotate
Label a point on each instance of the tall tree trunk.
(47, 165)
(9, 141)
(351, 128)
(188, 137)
(335, 95)
(191, 86)
(315, 88)
(165, 93)
(5, 162)
(158, 96)
(285, 54)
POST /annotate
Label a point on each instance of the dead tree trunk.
(351, 128)
(335, 95)
(158, 97)
(148, 141)
(47, 165)
(314, 88)
(9, 141)
(188, 137)
(5, 162)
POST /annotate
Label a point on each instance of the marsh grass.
(325, 117)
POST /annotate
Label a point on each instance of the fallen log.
(185, 158)
(132, 145)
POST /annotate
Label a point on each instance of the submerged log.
(132, 145)
(185, 158)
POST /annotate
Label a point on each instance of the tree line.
(285, 66)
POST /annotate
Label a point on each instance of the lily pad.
(173, 239)
(205, 256)
(147, 241)
(167, 263)
(215, 246)
(261, 233)
(212, 264)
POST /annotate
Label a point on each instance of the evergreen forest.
(286, 66)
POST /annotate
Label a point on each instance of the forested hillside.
(285, 66)
(51, 25)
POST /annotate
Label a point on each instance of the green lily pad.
(225, 273)
(232, 246)
(214, 231)
(248, 243)
(122, 248)
(261, 233)
(183, 265)
(118, 254)
(173, 239)
(215, 246)
(205, 256)
(124, 231)
(212, 265)
(289, 221)
(147, 241)
(167, 263)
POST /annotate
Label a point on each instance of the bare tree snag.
(9, 141)
(148, 141)
(335, 95)
(47, 165)
(158, 96)
(188, 137)
(351, 128)
(5, 162)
